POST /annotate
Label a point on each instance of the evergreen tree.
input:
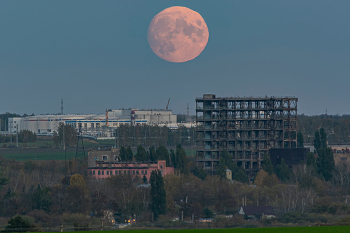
(200, 173)
(144, 178)
(122, 154)
(283, 172)
(128, 154)
(317, 141)
(325, 163)
(20, 224)
(222, 168)
(152, 154)
(267, 165)
(158, 194)
(163, 154)
(311, 162)
(41, 199)
(173, 158)
(323, 138)
(240, 175)
(141, 154)
(181, 160)
(300, 140)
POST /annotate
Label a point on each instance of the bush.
(20, 224)
(300, 218)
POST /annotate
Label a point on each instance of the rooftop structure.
(246, 127)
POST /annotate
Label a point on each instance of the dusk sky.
(95, 55)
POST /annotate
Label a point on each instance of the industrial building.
(103, 170)
(246, 127)
(97, 125)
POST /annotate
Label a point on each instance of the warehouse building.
(97, 125)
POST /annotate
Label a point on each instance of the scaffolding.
(246, 127)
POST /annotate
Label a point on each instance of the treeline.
(24, 136)
(176, 159)
(147, 135)
(48, 194)
(337, 127)
(4, 120)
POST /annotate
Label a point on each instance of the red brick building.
(104, 169)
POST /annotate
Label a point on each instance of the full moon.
(178, 34)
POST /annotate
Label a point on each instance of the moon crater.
(178, 34)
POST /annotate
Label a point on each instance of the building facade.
(246, 127)
(102, 169)
(95, 125)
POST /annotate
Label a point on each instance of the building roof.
(258, 210)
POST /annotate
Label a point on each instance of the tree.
(200, 173)
(141, 154)
(300, 140)
(152, 154)
(163, 154)
(267, 165)
(122, 153)
(70, 135)
(222, 168)
(158, 194)
(78, 195)
(172, 158)
(311, 162)
(20, 224)
(325, 163)
(317, 141)
(181, 160)
(323, 138)
(129, 155)
(25, 136)
(283, 172)
(41, 199)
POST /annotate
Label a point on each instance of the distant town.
(239, 161)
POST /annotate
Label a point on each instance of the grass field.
(328, 229)
(40, 156)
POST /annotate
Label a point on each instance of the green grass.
(328, 229)
(40, 156)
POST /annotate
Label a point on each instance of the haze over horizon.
(95, 55)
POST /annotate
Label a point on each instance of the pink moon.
(178, 34)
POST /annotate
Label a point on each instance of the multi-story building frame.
(246, 127)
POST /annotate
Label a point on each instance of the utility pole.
(61, 106)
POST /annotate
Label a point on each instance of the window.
(90, 172)
(93, 172)
(145, 172)
(120, 172)
(133, 172)
(116, 172)
(107, 173)
(137, 172)
(124, 172)
(99, 173)
(142, 172)
(92, 125)
(161, 166)
(129, 172)
(105, 157)
(103, 172)
(85, 125)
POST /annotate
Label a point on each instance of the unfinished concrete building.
(246, 127)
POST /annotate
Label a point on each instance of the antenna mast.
(61, 106)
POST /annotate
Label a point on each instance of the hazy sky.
(95, 55)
